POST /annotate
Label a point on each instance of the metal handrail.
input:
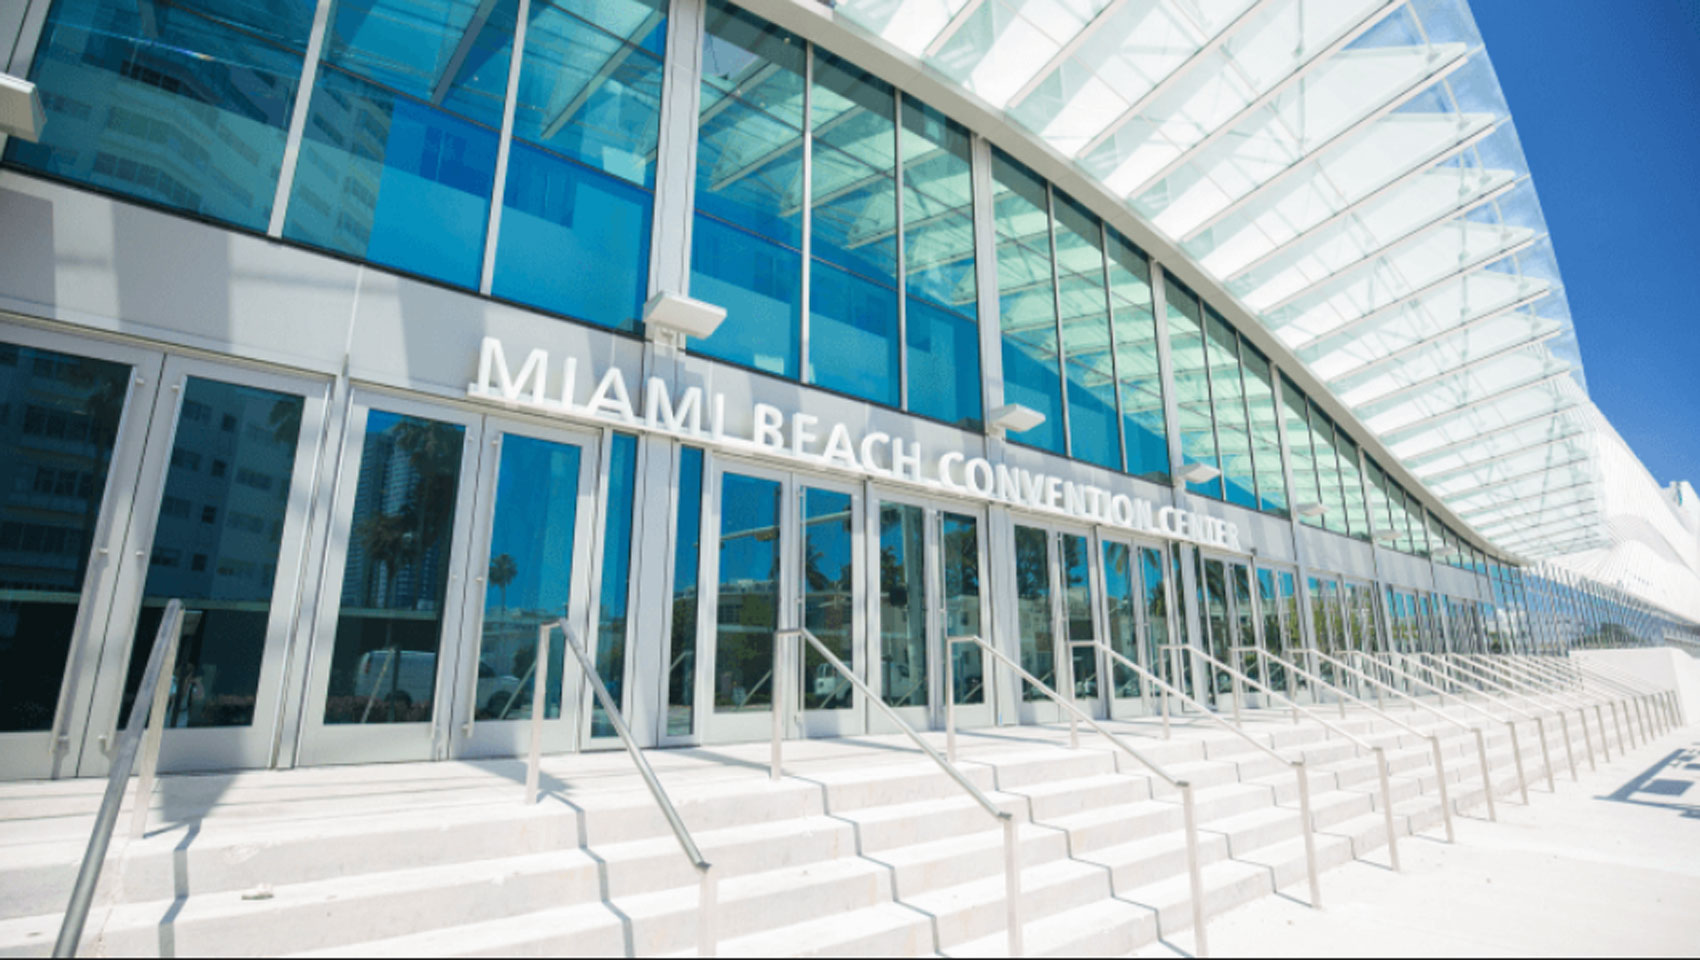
(1383, 769)
(1440, 667)
(1599, 704)
(1638, 688)
(1487, 675)
(1546, 686)
(1298, 766)
(1630, 694)
(147, 715)
(1011, 843)
(1475, 676)
(1434, 739)
(1481, 743)
(1189, 810)
(707, 883)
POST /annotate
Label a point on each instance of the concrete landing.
(1608, 866)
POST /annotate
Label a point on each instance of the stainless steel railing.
(785, 668)
(1484, 681)
(1542, 686)
(1383, 769)
(707, 881)
(143, 733)
(1189, 811)
(1481, 684)
(1406, 665)
(1306, 822)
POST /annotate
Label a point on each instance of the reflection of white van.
(412, 680)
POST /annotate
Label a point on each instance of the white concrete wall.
(1661, 666)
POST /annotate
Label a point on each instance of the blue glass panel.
(399, 156)
(616, 576)
(590, 83)
(395, 580)
(1136, 361)
(748, 609)
(573, 240)
(530, 577)
(1027, 307)
(687, 544)
(57, 435)
(1088, 360)
(944, 364)
(853, 330)
(408, 186)
(189, 111)
(854, 188)
(758, 283)
(749, 138)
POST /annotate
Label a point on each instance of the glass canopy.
(1349, 172)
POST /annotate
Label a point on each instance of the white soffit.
(1346, 169)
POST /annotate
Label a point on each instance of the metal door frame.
(207, 748)
(322, 743)
(1043, 710)
(56, 752)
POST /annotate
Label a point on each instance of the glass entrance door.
(1230, 626)
(73, 424)
(536, 506)
(1137, 623)
(219, 524)
(1055, 611)
(786, 551)
(393, 584)
(930, 558)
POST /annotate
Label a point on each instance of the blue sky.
(1606, 98)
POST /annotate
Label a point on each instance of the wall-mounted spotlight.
(1198, 473)
(1310, 509)
(672, 316)
(21, 113)
(1014, 418)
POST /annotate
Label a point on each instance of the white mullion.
(498, 190)
(298, 118)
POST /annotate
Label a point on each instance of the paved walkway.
(1608, 866)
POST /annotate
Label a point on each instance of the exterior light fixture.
(21, 113)
(672, 315)
(1014, 418)
(1310, 510)
(1198, 473)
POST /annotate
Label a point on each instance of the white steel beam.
(1440, 336)
(1466, 514)
(955, 23)
(1445, 475)
(1463, 270)
(1452, 371)
(1205, 49)
(1473, 439)
(615, 61)
(1068, 49)
(457, 59)
(1445, 415)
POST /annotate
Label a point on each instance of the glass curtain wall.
(1191, 375)
(833, 225)
(1138, 377)
(1027, 303)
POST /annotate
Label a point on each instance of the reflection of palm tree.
(503, 570)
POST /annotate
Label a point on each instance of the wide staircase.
(864, 847)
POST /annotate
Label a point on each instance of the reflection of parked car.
(496, 691)
(826, 680)
(411, 680)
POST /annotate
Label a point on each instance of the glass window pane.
(1265, 432)
(1141, 383)
(829, 599)
(1033, 609)
(1155, 600)
(853, 185)
(390, 625)
(759, 284)
(1121, 620)
(944, 364)
(1192, 385)
(687, 544)
(1301, 457)
(960, 543)
(938, 262)
(1328, 471)
(530, 575)
(611, 606)
(146, 97)
(399, 157)
(59, 418)
(853, 332)
(1352, 487)
(1089, 359)
(1233, 438)
(903, 605)
(1027, 308)
(233, 462)
(748, 606)
(1213, 592)
(1245, 618)
(1273, 639)
(1077, 587)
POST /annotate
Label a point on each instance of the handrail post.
(1445, 803)
(1487, 773)
(159, 700)
(1605, 738)
(1569, 751)
(1587, 738)
(1195, 876)
(1546, 756)
(1309, 832)
(776, 753)
(708, 902)
(1387, 806)
(950, 698)
(125, 746)
(539, 704)
(1517, 756)
(1012, 887)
